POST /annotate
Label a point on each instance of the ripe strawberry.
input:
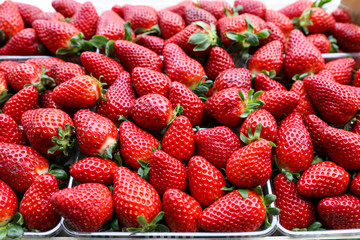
(254, 7)
(180, 7)
(178, 140)
(135, 144)
(20, 166)
(194, 14)
(356, 81)
(103, 133)
(132, 55)
(6, 65)
(294, 150)
(10, 132)
(275, 34)
(79, 92)
(130, 204)
(166, 172)
(8, 204)
(356, 127)
(315, 126)
(153, 43)
(295, 210)
(181, 211)
(100, 65)
(301, 56)
(46, 62)
(335, 102)
(28, 12)
(94, 170)
(121, 97)
(341, 70)
(182, 68)
(25, 99)
(342, 147)
(216, 8)
(118, 9)
(341, 212)
(218, 61)
(341, 15)
(355, 185)
(305, 106)
(170, 23)
(193, 106)
(269, 57)
(85, 19)
(265, 83)
(62, 72)
(68, 8)
(280, 20)
(234, 77)
(23, 74)
(315, 20)
(24, 42)
(147, 81)
(141, 17)
(86, 207)
(110, 25)
(296, 9)
(345, 34)
(46, 101)
(10, 20)
(35, 206)
(320, 41)
(205, 181)
(53, 16)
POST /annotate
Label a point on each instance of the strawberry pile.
(172, 136)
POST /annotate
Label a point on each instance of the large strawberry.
(10, 132)
(263, 82)
(345, 34)
(148, 81)
(234, 77)
(314, 20)
(341, 70)
(305, 106)
(296, 9)
(8, 204)
(62, 72)
(280, 20)
(10, 20)
(218, 61)
(28, 12)
(315, 126)
(170, 23)
(142, 18)
(254, 7)
(110, 25)
(66, 7)
(24, 42)
(86, 207)
(85, 19)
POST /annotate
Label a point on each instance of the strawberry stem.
(149, 227)
(64, 141)
(254, 137)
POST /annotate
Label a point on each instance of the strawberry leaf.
(99, 41)
(14, 231)
(250, 27)
(118, 159)
(128, 35)
(273, 211)
(264, 33)
(244, 193)
(198, 38)
(4, 96)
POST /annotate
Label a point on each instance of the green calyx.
(4, 96)
(59, 173)
(301, 76)
(252, 103)
(320, 3)
(177, 112)
(271, 74)
(64, 141)
(144, 169)
(122, 118)
(149, 227)
(292, 177)
(154, 30)
(14, 228)
(102, 42)
(108, 151)
(101, 86)
(316, 160)
(267, 201)
(45, 81)
(203, 40)
(303, 21)
(334, 47)
(316, 226)
(252, 137)
(203, 86)
(118, 159)
(77, 44)
(235, 11)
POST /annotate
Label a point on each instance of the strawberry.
(94, 170)
(305, 106)
(23, 74)
(345, 34)
(10, 132)
(100, 65)
(86, 207)
(170, 23)
(24, 42)
(9, 203)
(181, 211)
(35, 205)
(314, 20)
(355, 185)
(147, 81)
(179, 139)
(356, 127)
(103, 132)
(295, 210)
(62, 72)
(356, 81)
(28, 12)
(275, 34)
(315, 126)
(254, 7)
(340, 212)
(269, 57)
(342, 147)
(341, 69)
(194, 14)
(265, 83)
(166, 172)
(341, 103)
(205, 181)
(180, 7)
(118, 10)
(341, 15)
(301, 56)
(130, 204)
(25, 99)
(10, 20)
(135, 144)
(82, 91)
(85, 19)
(121, 97)
(153, 43)
(296, 9)
(141, 17)
(320, 41)
(257, 155)
(20, 166)
(110, 25)
(182, 68)
(218, 61)
(294, 150)
(234, 77)
(280, 20)
(132, 55)
(68, 8)
(53, 16)
(192, 104)
(46, 101)
(46, 62)
(216, 8)
(6, 65)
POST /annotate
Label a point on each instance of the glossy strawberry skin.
(85, 207)
(147, 81)
(10, 132)
(356, 81)
(51, 16)
(125, 198)
(24, 42)
(21, 75)
(180, 7)
(28, 12)
(66, 7)
(296, 9)
(85, 19)
(10, 20)
(153, 43)
(170, 23)
(6, 65)
(275, 34)
(315, 126)
(321, 21)
(345, 34)
(194, 14)
(355, 185)
(140, 16)
(110, 25)
(280, 20)
(8, 203)
(181, 211)
(341, 15)
(216, 8)
(264, 83)
(320, 41)
(254, 7)
(305, 106)
(295, 210)
(234, 77)
(218, 61)
(341, 70)
(62, 72)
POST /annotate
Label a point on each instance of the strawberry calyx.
(176, 112)
(77, 44)
(303, 21)
(144, 169)
(154, 30)
(203, 86)
(267, 201)
(334, 47)
(271, 74)
(252, 103)
(320, 3)
(316, 226)
(4, 96)
(235, 11)
(292, 177)
(118, 159)
(65, 140)
(204, 40)
(107, 154)
(102, 42)
(301, 76)
(101, 86)
(14, 228)
(153, 226)
(122, 118)
(252, 137)
(60, 174)
(316, 160)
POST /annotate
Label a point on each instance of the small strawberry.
(254, 7)
(280, 20)
(296, 9)
(264, 83)
(153, 43)
(234, 77)
(24, 42)
(10, 132)
(345, 34)
(218, 61)
(52, 16)
(85, 19)
(86, 207)
(23, 74)
(110, 25)
(142, 18)
(170, 23)
(28, 12)
(62, 72)
(315, 126)
(320, 41)
(194, 14)
(147, 81)
(216, 8)
(314, 20)
(341, 15)
(355, 185)
(305, 106)
(10, 20)
(341, 69)
(180, 7)
(68, 8)
(8, 204)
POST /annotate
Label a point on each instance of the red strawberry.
(24, 42)
(345, 34)
(280, 20)
(100, 65)
(205, 181)
(46, 62)
(218, 61)
(147, 81)
(234, 77)
(356, 81)
(294, 150)
(6, 65)
(335, 102)
(180, 7)
(86, 207)
(8, 204)
(341, 69)
(341, 15)
(254, 7)
(295, 210)
(265, 83)
(355, 185)
(46, 101)
(296, 9)
(315, 20)
(110, 25)
(170, 23)
(62, 72)
(166, 172)
(250, 166)
(356, 127)
(35, 206)
(320, 41)
(103, 133)
(10, 132)
(23, 74)
(305, 106)
(68, 8)
(28, 12)
(121, 97)
(216, 8)
(85, 19)
(130, 204)
(118, 9)
(20, 166)
(141, 17)
(194, 14)
(53, 16)
(341, 212)
(182, 68)
(315, 126)
(275, 34)
(94, 170)
(181, 211)
(153, 43)
(132, 55)
(135, 144)
(10, 20)
(3, 84)
(193, 106)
